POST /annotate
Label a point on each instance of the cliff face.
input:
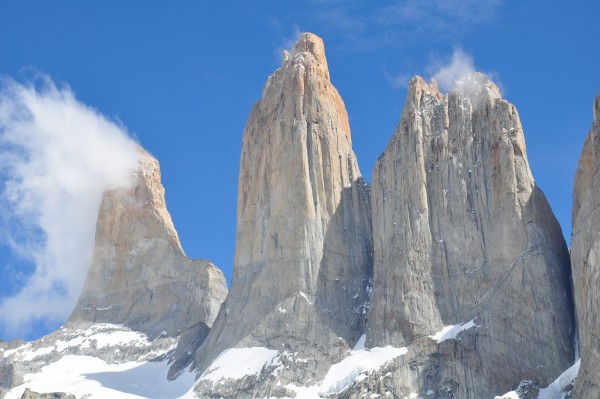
(140, 276)
(449, 279)
(303, 250)
(142, 296)
(585, 258)
(462, 234)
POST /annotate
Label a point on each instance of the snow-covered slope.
(104, 361)
(90, 377)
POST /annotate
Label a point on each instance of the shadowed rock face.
(140, 276)
(585, 258)
(461, 233)
(303, 249)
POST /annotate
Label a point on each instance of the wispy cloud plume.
(288, 43)
(459, 75)
(363, 26)
(460, 66)
(399, 80)
(438, 16)
(57, 156)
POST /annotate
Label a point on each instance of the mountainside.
(448, 278)
(140, 276)
(463, 237)
(140, 295)
(303, 262)
(585, 256)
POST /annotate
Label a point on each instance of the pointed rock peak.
(303, 245)
(309, 49)
(140, 276)
(417, 87)
(311, 43)
(149, 188)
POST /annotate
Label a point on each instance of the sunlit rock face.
(462, 234)
(140, 276)
(585, 257)
(303, 249)
(142, 298)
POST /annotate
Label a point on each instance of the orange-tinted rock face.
(303, 250)
(140, 276)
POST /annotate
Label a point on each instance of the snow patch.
(303, 295)
(360, 345)
(11, 352)
(37, 353)
(556, 389)
(508, 395)
(360, 362)
(450, 332)
(311, 392)
(237, 363)
(92, 378)
(117, 338)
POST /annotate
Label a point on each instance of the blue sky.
(183, 76)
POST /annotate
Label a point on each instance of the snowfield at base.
(236, 363)
(92, 378)
(360, 362)
(450, 332)
(98, 336)
(556, 390)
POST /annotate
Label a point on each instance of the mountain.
(303, 265)
(448, 278)
(465, 241)
(585, 256)
(141, 294)
(140, 276)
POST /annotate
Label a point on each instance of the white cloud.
(364, 26)
(288, 43)
(459, 75)
(57, 156)
(460, 66)
(399, 80)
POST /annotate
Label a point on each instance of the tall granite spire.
(303, 250)
(585, 257)
(140, 276)
(462, 236)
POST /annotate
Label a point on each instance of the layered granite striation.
(462, 238)
(303, 259)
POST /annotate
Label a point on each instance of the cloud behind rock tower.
(57, 157)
